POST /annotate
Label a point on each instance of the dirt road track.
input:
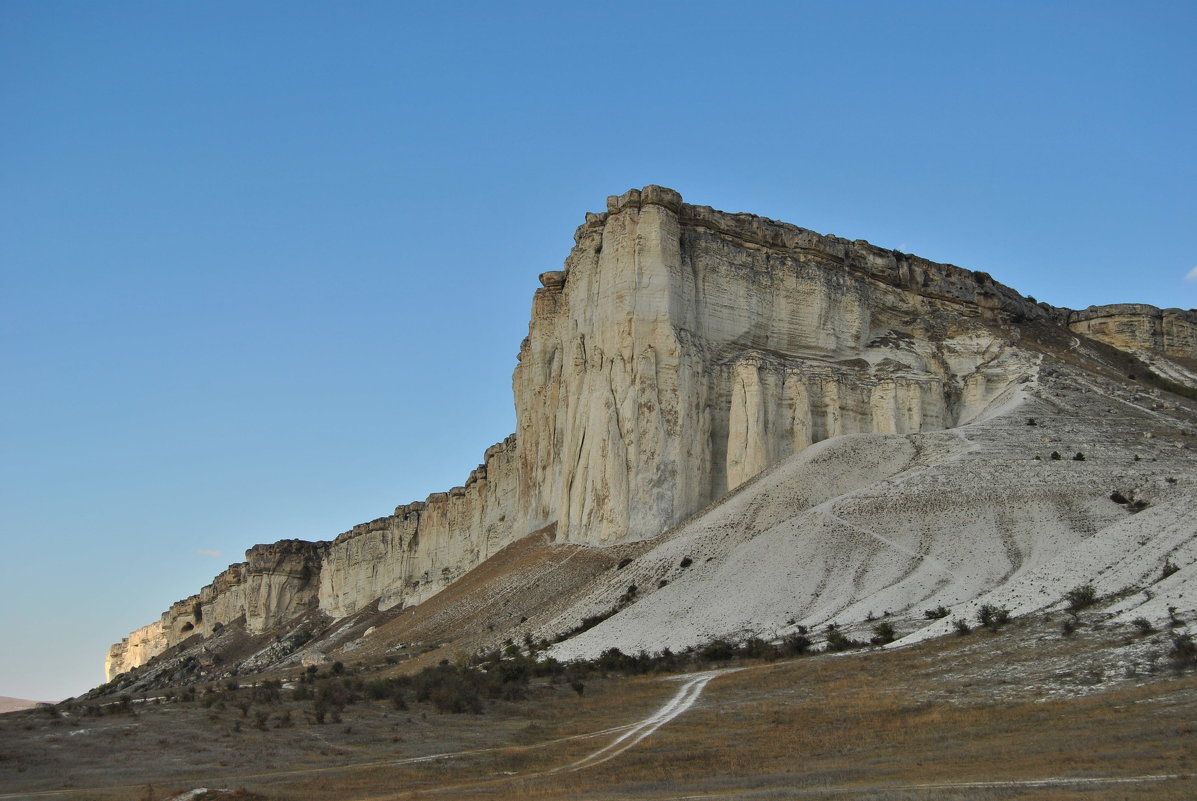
(632, 734)
(683, 700)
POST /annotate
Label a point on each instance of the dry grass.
(909, 724)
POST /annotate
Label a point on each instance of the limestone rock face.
(138, 648)
(1135, 326)
(679, 352)
(688, 349)
(423, 547)
(276, 583)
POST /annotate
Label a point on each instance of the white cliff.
(680, 352)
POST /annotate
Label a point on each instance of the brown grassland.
(1022, 713)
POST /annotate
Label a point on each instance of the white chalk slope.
(861, 526)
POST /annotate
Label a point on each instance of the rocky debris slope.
(680, 353)
(869, 527)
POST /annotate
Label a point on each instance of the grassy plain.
(1023, 713)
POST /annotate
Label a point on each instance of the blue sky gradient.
(265, 267)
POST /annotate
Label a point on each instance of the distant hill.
(15, 704)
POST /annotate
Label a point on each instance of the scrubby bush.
(992, 616)
(1056, 456)
(1168, 569)
(838, 641)
(938, 612)
(1143, 625)
(1080, 597)
(717, 651)
(686, 562)
(1184, 652)
(883, 634)
(795, 645)
(756, 648)
(1080, 457)
(961, 626)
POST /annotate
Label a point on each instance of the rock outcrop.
(679, 353)
(274, 584)
(1138, 327)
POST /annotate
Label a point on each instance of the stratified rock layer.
(1136, 326)
(679, 353)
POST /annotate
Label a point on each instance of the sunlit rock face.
(276, 583)
(423, 547)
(683, 350)
(679, 353)
(1135, 326)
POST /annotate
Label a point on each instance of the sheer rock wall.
(679, 352)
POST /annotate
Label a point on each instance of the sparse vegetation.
(1143, 626)
(1056, 456)
(838, 641)
(883, 634)
(1184, 652)
(937, 613)
(1171, 386)
(1080, 597)
(961, 626)
(1079, 457)
(1168, 569)
(992, 616)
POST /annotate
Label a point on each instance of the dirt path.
(632, 734)
(681, 701)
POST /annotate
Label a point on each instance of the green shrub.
(883, 634)
(1184, 652)
(1143, 625)
(838, 641)
(1080, 597)
(991, 616)
(937, 613)
(795, 645)
(961, 626)
(717, 651)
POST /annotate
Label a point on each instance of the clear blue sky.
(265, 267)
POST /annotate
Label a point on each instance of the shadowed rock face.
(679, 352)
